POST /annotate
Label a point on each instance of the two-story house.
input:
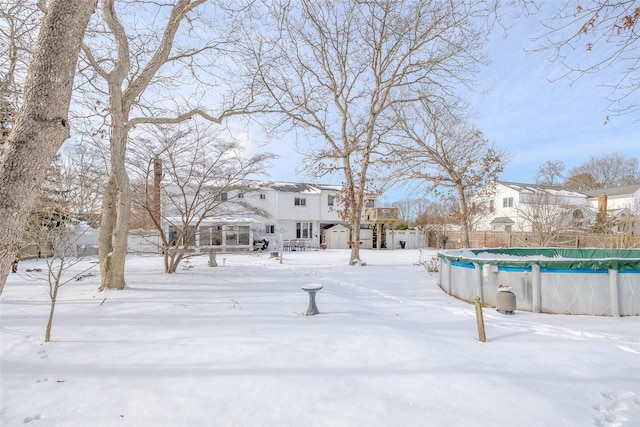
(294, 215)
(517, 206)
(512, 206)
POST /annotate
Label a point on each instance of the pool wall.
(592, 286)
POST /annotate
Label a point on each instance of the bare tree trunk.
(116, 208)
(464, 215)
(355, 238)
(42, 123)
(53, 294)
(126, 84)
(107, 224)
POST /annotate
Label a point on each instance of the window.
(237, 235)
(221, 197)
(304, 230)
(300, 201)
(270, 229)
(331, 200)
(492, 208)
(263, 196)
(577, 219)
(369, 203)
(507, 202)
(507, 228)
(240, 195)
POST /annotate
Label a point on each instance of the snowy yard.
(230, 346)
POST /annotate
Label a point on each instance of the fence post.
(613, 293)
(480, 320)
(449, 276)
(535, 289)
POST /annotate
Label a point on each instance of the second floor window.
(270, 229)
(300, 201)
(507, 202)
(263, 196)
(331, 200)
(492, 208)
(222, 197)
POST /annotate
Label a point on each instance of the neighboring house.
(515, 206)
(511, 203)
(627, 197)
(622, 205)
(296, 215)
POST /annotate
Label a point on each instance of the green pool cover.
(627, 260)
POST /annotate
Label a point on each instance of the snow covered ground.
(231, 346)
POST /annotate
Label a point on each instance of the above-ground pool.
(548, 280)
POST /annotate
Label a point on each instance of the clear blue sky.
(538, 119)
(519, 107)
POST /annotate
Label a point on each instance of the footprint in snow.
(611, 411)
(36, 417)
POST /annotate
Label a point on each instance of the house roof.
(295, 187)
(555, 190)
(502, 220)
(613, 191)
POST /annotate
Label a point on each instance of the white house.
(510, 202)
(512, 206)
(627, 197)
(622, 205)
(297, 212)
(296, 216)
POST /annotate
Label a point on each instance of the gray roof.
(538, 188)
(613, 191)
(502, 220)
(294, 187)
(300, 187)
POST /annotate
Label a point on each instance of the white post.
(478, 274)
(449, 269)
(224, 238)
(613, 293)
(281, 244)
(536, 302)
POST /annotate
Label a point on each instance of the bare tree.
(410, 208)
(139, 69)
(84, 176)
(451, 157)
(41, 124)
(580, 181)
(336, 67)
(55, 233)
(436, 214)
(541, 212)
(607, 31)
(203, 176)
(608, 170)
(19, 23)
(550, 172)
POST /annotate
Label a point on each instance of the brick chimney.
(602, 203)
